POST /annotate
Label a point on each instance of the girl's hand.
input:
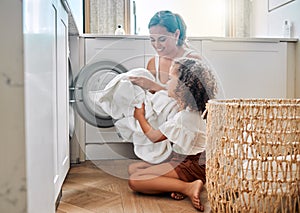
(139, 112)
(143, 82)
(154, 135)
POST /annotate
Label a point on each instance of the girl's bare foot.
(193, 192)
(177, 196)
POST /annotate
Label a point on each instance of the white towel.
(120, 97)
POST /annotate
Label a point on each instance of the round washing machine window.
(94, 77)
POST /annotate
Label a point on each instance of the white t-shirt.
(187, 131)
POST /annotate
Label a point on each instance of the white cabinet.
(149, 51)
(253, 69)
(61, 144)
(46, 102)
(100, 143)
(249, 68)
(195, 44)
(126, 51)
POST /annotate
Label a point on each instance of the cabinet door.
(127, 51)
(40, 103)
(195, 44)
(149, 51)
(61, 158)
(249, 69)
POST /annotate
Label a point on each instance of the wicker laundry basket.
(253, 155)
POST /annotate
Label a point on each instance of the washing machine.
(101, 58)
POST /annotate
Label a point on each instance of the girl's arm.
(154, 135)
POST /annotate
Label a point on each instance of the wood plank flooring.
(101, 186)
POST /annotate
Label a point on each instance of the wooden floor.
(101, 186)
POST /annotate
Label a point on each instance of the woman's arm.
(154, 135)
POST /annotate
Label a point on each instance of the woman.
(167, 35)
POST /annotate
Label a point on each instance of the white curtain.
(238, 23)
(106, 15)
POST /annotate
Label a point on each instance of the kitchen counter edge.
(145, 37)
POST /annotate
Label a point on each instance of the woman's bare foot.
(193, 192)
(177, 196)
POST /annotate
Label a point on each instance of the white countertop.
(270, 39)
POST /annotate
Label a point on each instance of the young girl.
(191, 83)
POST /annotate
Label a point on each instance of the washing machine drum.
(94, 77)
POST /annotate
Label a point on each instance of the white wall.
(202, 17)
(259, 19)
(269, 24)
(276, 18)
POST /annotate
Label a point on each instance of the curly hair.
(196, 83)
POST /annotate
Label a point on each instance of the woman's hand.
(143, 82)
(146, 83)
(139, 112)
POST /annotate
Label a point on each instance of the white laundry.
(120, 97)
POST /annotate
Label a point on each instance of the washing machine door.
(94, 77)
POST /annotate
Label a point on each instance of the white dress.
(187, 131)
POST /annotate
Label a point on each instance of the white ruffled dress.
(187, 131)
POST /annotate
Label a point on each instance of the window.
(217, 18)
(103, 16)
